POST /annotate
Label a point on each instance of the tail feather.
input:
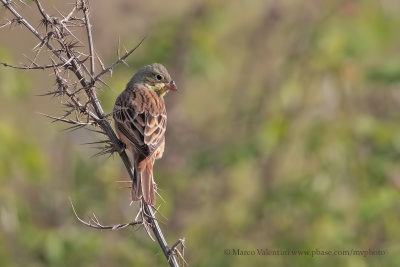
(147, 182)
(136, 191)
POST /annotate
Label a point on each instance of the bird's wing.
(154, 131)
(140, 115)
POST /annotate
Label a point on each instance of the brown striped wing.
(140, 115)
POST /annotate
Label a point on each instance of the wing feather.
(142, 123)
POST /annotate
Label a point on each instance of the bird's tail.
(145, 186)
(136, 191)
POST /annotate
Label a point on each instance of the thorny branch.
(120, 60)
(30, 68)
(94, 222)
(89, 35)
(83, 108)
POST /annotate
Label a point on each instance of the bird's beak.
(171, 86)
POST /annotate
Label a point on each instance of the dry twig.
(94, 222)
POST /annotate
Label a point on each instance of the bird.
(140, 120)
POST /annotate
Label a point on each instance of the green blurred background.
(285, 134)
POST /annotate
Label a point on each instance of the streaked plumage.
(140, 120)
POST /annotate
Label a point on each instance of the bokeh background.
(285, 134)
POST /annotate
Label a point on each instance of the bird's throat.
(159, 88)
(161, 92)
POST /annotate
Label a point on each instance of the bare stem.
(89, 34)
(94, 222)
(119, 60)
(34, 67)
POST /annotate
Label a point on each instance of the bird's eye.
(159, 77)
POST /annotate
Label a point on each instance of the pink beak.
(171, 86)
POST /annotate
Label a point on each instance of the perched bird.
(140, 120)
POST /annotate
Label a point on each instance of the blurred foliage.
(284, 134)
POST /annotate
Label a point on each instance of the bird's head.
(155, 77)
